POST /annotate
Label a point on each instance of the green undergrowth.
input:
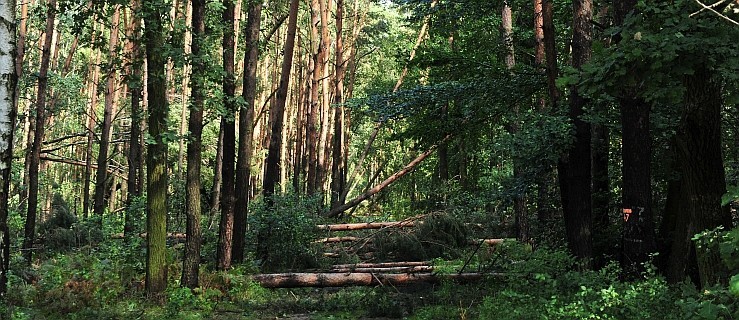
(106, 282)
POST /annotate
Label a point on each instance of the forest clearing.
(369, 159)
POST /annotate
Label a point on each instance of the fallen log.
(336, 239)
(491, 242)
(364, 226)
(414, 269)
(170, 235)
(322, 280)
(383, 264)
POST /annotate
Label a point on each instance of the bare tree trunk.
(225, 230)
(38, 137)
(574, 167)
(134, 156)
(246, 133)
(215, 191)
(191, 261)
(156, 168)
(338, 167)
(702, 182)
(638, 239)
(102, 161)
(271, 176)
(316, 68)
(91, 121)
(8, 110)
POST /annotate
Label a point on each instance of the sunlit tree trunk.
(316, 68)
(110, 87)
(8, 109)
(156, 156)
(38, 137)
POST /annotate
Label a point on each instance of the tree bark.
(702, 179)
(134, 155)
(246, 133)
(8, 110)
(338, 166)
(321, 280)
(638, 239)
(272, 171)
(110, 87)
(574, 167)
(316, 69)
(191, 261)
(156, 157)
(38, 137)
(228, 195)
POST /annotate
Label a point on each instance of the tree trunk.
(519, 199)
(156, 157)
(638, 239)
(8, 109)
(191, 261)
(246, 133)
(225, 230)
(110, 87)
(272, 172)
(321, 280)
(215, 191)
(638, 234)
(702, 179)
(338, 166)
(574, 167)
(134, 155)
(38, 137)
(316, 69)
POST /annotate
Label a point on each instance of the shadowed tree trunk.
(191, 262)
(156, 157)
(8, 82)
(638, 239)
(272, 172)
(338, 166)
(246, 118)
(228, 197)
(574, 167)
(134, 86)
(702, 180)
(38, 136)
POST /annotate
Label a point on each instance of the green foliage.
(283, 232)
(439, 236)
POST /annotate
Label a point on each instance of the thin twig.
(715, 12)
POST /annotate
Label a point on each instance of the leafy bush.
(283, 232)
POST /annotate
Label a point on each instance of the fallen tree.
(383, 264)
(408, 168)
(414, 269)
(365, 226)
(322, 280)
(170, 235)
